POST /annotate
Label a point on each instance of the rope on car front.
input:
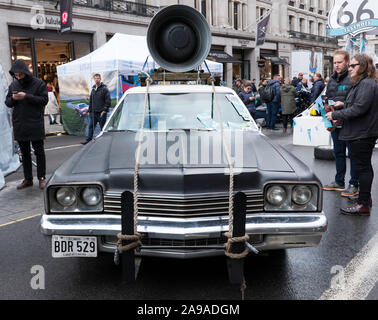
(231, 240)
(136, 237)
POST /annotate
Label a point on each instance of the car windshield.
(169, 111)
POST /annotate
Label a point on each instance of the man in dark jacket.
(317, 87)
(273, 106)
(27, 96)
(99, 104)
(296, 80)
(248, 98)
(338, 88)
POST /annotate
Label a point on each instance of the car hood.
(117, 150)
(110, 160)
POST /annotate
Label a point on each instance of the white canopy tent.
(119, 61)
(123, 53)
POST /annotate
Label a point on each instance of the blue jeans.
(339, 149)
(94, 118)
(271, 114)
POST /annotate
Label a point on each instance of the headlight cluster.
(75, 199)
(286, 197)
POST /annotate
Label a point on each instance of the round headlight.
(91, 196)
(276, 195)
(301, 195)
(66, 196)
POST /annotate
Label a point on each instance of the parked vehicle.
(183, 188)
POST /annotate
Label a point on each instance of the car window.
(167, 111)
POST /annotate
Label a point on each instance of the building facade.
(29, 30)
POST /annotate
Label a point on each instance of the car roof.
(182, 88)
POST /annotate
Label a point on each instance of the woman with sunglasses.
(360, 116)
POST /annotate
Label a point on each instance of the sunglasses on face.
(353, 65)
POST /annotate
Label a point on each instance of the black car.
(183, 188)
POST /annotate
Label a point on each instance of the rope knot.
(135, 239)
(149, 81)
(232, 240)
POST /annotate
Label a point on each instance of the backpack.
(266, 94)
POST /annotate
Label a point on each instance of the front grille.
(166, 206)
(253, 239)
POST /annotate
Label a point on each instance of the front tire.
(324, 153)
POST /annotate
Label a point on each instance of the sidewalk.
(53, 129)
(20, 204)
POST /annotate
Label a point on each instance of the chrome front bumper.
(278, 231)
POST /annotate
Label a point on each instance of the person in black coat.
(360, 127)
(99, 104)
(27, 96)
(317, 87)
(248, 98)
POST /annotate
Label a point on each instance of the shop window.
(49, 54)
(21, 48)
(81, 49)
(203, 8)
(236, 16)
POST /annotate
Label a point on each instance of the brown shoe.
(354, 199)
(25, 184)
(356, 210)
(42, 183)
(84, 143)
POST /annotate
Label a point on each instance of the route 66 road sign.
(352, 17)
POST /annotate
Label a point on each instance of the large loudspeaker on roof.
(179, 38)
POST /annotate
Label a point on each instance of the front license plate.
(64, 247)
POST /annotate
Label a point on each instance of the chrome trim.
(188, 206)
(279, 230)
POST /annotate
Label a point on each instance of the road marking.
(19, 220)
(361, 275)
(64, 147)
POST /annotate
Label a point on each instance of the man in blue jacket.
(274, 104)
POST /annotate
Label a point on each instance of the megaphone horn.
(179, 38)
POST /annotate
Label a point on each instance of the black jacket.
(99, 99)
(338, 86)
(28, 114)
(360, 112)
(276, 91)
(317, 89)
(247, 102)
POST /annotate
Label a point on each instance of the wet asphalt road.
(294, 274)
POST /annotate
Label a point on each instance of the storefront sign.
(352, 17)
(261, 63)
(244, 43)
(40, 20)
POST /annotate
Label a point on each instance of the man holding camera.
(27, 96)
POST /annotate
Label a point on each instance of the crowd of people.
(278, 97)
(353, 90)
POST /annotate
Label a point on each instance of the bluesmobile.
(183, 180)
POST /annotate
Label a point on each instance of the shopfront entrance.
(44, 50)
